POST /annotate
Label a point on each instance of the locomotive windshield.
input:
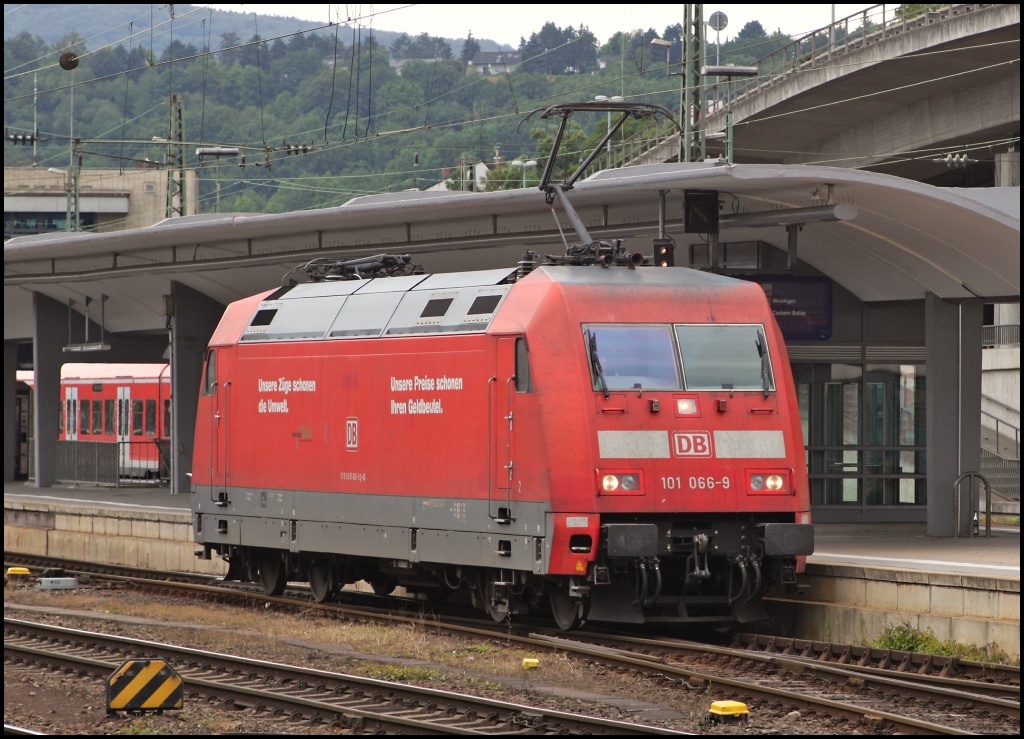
(645, 357)
(717, 357)
(627, 357)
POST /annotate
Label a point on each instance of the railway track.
(986, 699)
(908, 663)
(300, 694)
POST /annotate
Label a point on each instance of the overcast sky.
(507, 22)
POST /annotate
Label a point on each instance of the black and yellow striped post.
(144, 685)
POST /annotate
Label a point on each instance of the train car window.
(97, 416)
(295, 320)
(365, 315)
(167, 417)
(136, 418)
(60, 419)
(524, 380)
(108, 417)
(725, 357)
(84, 408)
(150, 418)
(631, 357)
(210, 380)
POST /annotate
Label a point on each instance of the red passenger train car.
(619, 445)
(126, 404)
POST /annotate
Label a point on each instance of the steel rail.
(630, 658)
(841, 674)
(670, 647)
(234, 676)
(890, 659)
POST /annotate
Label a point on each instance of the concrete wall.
(853, 604)
(155, 540)
(1000, 380)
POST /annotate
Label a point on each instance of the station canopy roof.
(905, 239)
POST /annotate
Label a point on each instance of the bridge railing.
(869, 26)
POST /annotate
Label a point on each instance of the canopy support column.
(953, 368)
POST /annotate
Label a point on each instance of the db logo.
(352, 433)
(692, 443)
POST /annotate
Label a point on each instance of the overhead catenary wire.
(469, 121)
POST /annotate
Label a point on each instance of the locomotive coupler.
(697, 563)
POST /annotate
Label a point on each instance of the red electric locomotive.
(616, 444)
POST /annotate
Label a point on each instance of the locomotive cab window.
(631, 357)
(210, 378)
(725, 357)
(524, 380)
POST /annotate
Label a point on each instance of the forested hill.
(103, 24)
(367, 127)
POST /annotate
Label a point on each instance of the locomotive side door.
(71, 413)
(218, 427)
(502, 426)
(124, 426)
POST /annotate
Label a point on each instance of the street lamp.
(665, 44)
(523, 166)
(606, 99)
(718, 23)
(729, 72)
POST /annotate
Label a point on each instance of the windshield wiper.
(761, 351)
(595, 362)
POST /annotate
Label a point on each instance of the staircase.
(1000, 457)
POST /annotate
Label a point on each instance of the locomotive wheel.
(273, 573)
(322, 581)
(383, 586)
(568, 614)
(496, 608)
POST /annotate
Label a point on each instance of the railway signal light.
(665, 252)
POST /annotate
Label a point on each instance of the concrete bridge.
(893, 95)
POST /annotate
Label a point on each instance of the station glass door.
(864, 434)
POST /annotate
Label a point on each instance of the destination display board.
(801, 305)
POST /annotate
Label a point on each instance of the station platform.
(863, 578)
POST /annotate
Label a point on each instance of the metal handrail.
(877, 23)
(1005, 334)
(999, 423)
(974, 510)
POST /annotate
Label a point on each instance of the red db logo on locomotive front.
(352, 434)
(692, 444)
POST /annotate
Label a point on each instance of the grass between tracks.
(402, 652)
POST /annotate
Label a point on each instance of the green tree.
(470, 48)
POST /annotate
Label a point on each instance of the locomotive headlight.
(687, 407)
(620, 483)
(768, 482)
